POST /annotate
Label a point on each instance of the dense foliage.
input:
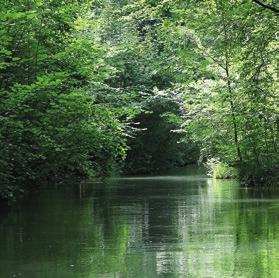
(86, 83)
(232, 108)
(52, 123)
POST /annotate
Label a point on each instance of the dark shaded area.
(158, 146)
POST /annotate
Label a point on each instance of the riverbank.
(249, 176)
(264, 179)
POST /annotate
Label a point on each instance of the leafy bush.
(221, 170)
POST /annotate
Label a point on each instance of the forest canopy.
(94, 87)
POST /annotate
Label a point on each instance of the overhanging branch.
(265, 6)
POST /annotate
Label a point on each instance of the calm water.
(180, 225)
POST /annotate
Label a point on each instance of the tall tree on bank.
(232, 108)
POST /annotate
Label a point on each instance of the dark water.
(180, 225)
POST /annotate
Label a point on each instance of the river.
(180, 224)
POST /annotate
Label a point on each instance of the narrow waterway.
(177, 225)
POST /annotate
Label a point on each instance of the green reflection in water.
(180, 225)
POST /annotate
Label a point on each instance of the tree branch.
(265, 6)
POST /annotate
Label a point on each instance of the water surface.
(176, 225)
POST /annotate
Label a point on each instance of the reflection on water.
(181, 225)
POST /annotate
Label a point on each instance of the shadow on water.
(175, 225)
